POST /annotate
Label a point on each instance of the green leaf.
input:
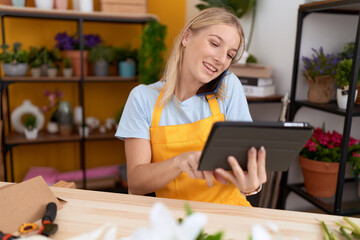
(188, 209)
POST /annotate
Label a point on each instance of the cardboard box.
(251, 70)
(124, 6)
(24, 202)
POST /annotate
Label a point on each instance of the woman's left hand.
(245, 181)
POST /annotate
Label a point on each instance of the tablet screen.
(282, 142)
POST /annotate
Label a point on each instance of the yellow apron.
(169, 141)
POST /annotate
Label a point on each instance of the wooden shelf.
(272, 98)
(41, 79)
(44, 137)
(110, 79)
(33, 12)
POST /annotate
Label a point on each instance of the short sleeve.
(236, 106)
(136, 118)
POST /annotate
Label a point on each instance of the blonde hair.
(205, 18)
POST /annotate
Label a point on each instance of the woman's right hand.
(188, 162)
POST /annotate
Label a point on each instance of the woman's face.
(208, 52)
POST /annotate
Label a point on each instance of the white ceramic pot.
(76, 5)
(52, 127)
(35, 72)
(26, 108)
(51, 72)
(67, 72)
(342, 97)
(15, 70)
(44, 4)
(78, 115)
(86, 5)
(31, 134)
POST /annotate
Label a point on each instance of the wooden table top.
(88, 210)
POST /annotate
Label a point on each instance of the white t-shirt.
(136, 119)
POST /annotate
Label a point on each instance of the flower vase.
(75, 61)
(320, 178)
(320, 88)
(65, 118)
(31, 134)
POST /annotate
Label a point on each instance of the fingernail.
(262, 149)
(252, 150)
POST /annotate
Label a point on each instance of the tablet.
(282, 142)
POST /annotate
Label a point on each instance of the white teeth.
(210, 67)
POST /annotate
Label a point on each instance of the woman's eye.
(230, 56)
(214, 44)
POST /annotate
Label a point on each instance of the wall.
(273, 44)
(101, 100)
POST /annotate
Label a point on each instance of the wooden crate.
(124, 6)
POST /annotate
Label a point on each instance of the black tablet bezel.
(282, 141)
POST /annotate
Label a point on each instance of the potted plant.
(319, 72)
(151, 51)
(67, 70)
(35, 67)
(319, 161)
(14, 63)
(101, 56)
(342, 79)
(52, 69)
(30, 130)
(70, 45)
(127, 60)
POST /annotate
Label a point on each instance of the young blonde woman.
(165, 125)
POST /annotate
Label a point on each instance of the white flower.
(165, 227)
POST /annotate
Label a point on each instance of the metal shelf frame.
(64, 15)
(333, 7)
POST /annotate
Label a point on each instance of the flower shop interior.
(96, 99)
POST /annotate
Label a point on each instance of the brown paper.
(24, 202)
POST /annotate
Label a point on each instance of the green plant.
(124, 53)
(30, 121)
(38, 56)
(16, 56)
(348, 51)
(343, 74)
(101, 52)
(151, 51)
(67, 63)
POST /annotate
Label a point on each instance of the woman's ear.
(186, 38)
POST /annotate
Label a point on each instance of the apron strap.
(213, 103)
(157, 111)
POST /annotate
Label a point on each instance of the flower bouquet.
(54, 98)
(319, 71)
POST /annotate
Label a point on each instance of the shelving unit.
(13, 139)
(333, 205)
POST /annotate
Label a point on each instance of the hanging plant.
(151, 52)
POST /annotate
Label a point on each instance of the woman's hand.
(245, 181)
(188, 162)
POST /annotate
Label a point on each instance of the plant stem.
(252, 26)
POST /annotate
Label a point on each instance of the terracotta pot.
(320, 178)
(320, 88)
(75, 61)
(61, 4)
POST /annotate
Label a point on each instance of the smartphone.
(212, 86)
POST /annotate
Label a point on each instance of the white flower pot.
(31, 134)
(44, 4)
(67, 72)
(26, 108)
(342, 97)
(35, 72)
(15, 70)
(86, 5)
(52, 127)
(51, 72)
